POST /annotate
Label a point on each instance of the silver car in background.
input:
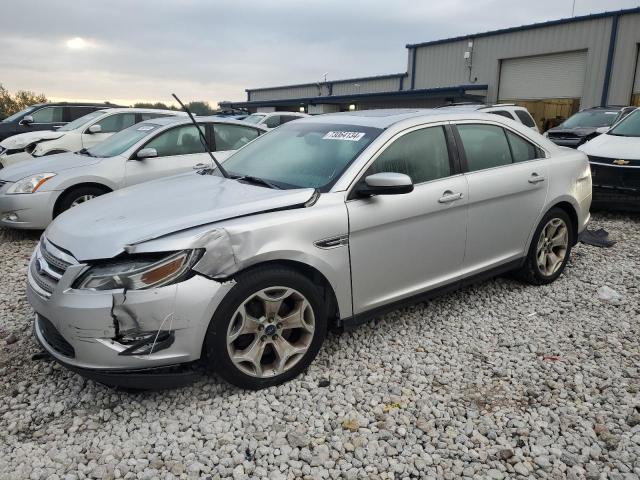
(34, 192)
(327, 220)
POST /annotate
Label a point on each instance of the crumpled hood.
(613, 146)
(47, 164)
(23, 139)
(102, 227)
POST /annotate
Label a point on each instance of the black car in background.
(46, 116)
(583, 126)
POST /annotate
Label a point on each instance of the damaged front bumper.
(116, 331)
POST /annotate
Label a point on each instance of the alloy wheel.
(81, 199)
(270, 332)
(553, 244)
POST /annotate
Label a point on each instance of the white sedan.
(83, 132)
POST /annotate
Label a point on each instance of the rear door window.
(485, 146)
(525, 118)
(77, 112)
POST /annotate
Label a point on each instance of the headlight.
(30, 184)
(545, 134)
(140, 273)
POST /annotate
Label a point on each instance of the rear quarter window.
(525, 118)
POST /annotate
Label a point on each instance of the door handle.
(199, 166)
(448, 197)
(535, 178)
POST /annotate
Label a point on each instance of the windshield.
(302, 155)
(590, 118)
(16, 116)
(121, 141)
(253, 118)
(79, 122)
(627, 127)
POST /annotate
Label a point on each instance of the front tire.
(268, 328)
(77, 196)
(550, 248)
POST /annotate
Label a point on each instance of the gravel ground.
(501, 380)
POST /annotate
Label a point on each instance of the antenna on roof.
(203, 140)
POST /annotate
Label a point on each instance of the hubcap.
(81, 199)
(552, 246)
(270, 331)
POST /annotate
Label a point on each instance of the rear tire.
(76, 196)
(550, 249)
(267, 329)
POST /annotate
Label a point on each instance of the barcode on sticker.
(350, 136)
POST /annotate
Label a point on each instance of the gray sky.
(134, 50)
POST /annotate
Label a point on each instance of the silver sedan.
(327, 220)
(36, 190)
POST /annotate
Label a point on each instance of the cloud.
(138, 50)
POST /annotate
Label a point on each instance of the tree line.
(11, 103)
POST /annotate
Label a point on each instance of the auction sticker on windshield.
(145, 128)
(349, 136)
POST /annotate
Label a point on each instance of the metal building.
(553, 68)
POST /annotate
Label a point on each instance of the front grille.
(53, 337)
(563, 136)
(48, 266)
(607, 174)
(2, 182)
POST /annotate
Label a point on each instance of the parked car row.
(46, 116)
(244, 263)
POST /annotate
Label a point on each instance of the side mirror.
(386, 183)
(95, 128)
(26, 120)
(601, 130)
(147, 153)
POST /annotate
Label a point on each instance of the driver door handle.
(448, 197)
(535, 178)
(199, 166)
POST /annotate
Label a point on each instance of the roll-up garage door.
(559, 75)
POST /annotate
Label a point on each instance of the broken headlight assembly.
(139, 273)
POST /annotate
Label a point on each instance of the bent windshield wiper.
(257, 181)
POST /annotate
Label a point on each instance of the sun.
(77, 43)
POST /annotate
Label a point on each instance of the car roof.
(76, 104)
(207, 119)
(384, 118)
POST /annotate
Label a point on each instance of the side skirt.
(354, 321)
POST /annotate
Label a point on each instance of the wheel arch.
(56, 206)
(568, 205)
(305, 269)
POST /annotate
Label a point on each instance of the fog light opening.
(11, 217)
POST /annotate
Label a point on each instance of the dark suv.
(46, 116)
(583, 126)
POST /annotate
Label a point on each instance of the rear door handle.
(448, 197)
(199, 166)
(535, 178)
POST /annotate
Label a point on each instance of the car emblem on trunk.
(621, 162)
(38, 265)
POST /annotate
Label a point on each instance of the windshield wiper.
(84, 151)
(257, 181)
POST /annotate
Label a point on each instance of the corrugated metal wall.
(300, 91)
(374, 85)
(625, 60)
(591, 35)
